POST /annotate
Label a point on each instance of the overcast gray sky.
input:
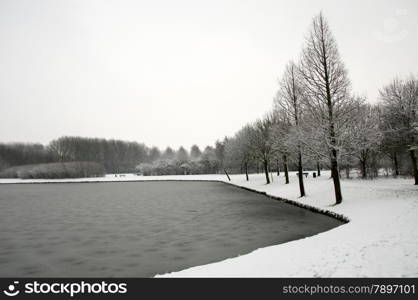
(177, 72)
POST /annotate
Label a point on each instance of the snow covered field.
(380, 240)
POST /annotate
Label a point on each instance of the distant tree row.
(316, 120)
(183, 163)
(115, 156)
(54, 170)
(15, 154)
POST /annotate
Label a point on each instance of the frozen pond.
(138, 229)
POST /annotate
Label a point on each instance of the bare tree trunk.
(266, 171)
(334, 158)
(278, 167)
(246, 171)
(318, 168)
(414, 165)
(363, 168)
(363, 163)
(226, 173)
(300, 170)
(347, 172)
(286, 171)
(336, 177)
(395, 163)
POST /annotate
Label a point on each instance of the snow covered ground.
(380, 240)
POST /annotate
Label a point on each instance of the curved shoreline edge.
(329, 213)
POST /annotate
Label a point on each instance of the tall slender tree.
(326, 85)
(289, 100)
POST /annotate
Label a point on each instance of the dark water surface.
(138, 229)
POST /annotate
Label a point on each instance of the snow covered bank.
(380, 240)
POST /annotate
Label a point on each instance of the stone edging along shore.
(315, 209)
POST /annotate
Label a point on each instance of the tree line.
(77, 169)
(317, 120)
(116, 156)
(208, 161)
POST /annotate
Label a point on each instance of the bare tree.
(280, 132)
(366, 135)
(289, 100)
(62, 148)
(400, 102)
(220, 154)
(326, 86)
(238, 150)
(261, 142)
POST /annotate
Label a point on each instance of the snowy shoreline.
(379, 241)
